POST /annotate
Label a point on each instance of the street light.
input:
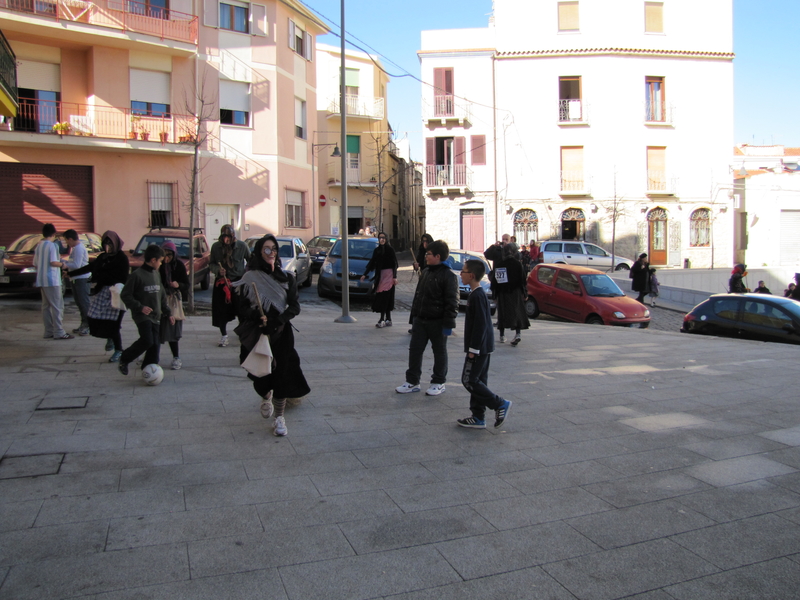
(334, 154)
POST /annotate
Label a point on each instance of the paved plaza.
(639, 464)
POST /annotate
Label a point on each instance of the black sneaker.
(109, 345)
(502, 413)
(123, 368)
(471, 423)
(516, 341)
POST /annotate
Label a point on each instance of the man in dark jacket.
(144, 295)
(433, 316)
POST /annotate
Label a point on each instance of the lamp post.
(345, 318)
(334, 154)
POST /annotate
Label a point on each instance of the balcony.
(104, 122)
(661, 183)
(334, 169)
(447, 108)
(358, 106)
(444, 179)
(658, 114)
(573, 112)
(8, 79)
(575, 183)
(124, 15)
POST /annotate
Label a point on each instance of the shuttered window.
(654, 17)
(162, 197)
(300, 40)
(300, 118)
(150, 86)
(572, 168)
(568, 16)
(295, 209)
(790, 237)
(39, 76)
(478, 144)
(656, 168)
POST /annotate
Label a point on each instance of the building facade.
(115, 97)
(581, 120)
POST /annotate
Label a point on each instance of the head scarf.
(739, 269)
(272, 283)
(111, 238)
(168, 268)
(227, 249)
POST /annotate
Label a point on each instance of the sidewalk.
(634, 463)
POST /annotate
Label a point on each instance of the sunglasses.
(269, 250)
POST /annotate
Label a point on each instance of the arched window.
(700, 228)
(526, 226)
(573, 224)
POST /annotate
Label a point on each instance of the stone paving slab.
(637, 464)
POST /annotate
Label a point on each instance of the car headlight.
(619, 315)
(29, 270)
(327, 268)
(646, 312)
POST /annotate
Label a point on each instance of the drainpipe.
(494, 150)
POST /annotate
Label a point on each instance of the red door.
(472, 230)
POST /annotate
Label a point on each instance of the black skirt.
(222, 312)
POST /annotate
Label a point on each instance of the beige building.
(114, 97)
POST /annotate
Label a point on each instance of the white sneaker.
(279, 428)
(223, 341)
(387, 323)
(266, 407)
(435, 389)
(407, 388)
(176, 364)
(502, 339)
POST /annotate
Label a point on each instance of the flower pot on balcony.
(62, 128)
(133, 135)
(163, 136)
(144, 135)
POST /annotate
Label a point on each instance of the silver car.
(294, 257)
(576, 252)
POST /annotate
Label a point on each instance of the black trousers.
(148, 343)
(475, 378)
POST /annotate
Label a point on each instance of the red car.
(582, 295)
(201, 254)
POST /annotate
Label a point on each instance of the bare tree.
(616, 208)
(381, 146)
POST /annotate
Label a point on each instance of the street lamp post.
(334, 154)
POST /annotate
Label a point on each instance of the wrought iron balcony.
(575, 183)
(8, 79)
(126, 15)
(573, 111)
(447, 107)
(661, 183)
(447, 177)
(359, 106)
(657, 113)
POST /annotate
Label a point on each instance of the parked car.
(576, 252)
(456, 262)
(18, 273)
(582, 295)
(747, 316)
(180, 238)
(359, 250)
(318, 249)
(294, 256)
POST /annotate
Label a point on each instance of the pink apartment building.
(104, 134)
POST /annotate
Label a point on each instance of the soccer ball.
(153, 374)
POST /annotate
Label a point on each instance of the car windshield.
(285, 248)
(601, 285)
(321, 242)
(361, 249)
(182, 244)
(456, 261)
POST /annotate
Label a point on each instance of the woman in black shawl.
(176, 282)
(419, 260)
(277, 293)
(108, 269)
(509, 286)
(384, 263)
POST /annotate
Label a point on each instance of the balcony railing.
(661, 183)
(658, 113)
(334, 169)
(67, 118)
(572, 111)
(8, 74)
(447, 176)
(126, 15)
(575, 182)
(359, 106)
(448, 107)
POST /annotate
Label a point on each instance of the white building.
(599, 120)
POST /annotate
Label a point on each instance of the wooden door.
(657, 239)
(472, 230)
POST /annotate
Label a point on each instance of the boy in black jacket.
(479, 345)
(144, 295)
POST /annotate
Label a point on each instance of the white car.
(294, 256)
(584, 254)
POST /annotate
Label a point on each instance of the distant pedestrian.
(144, 295)
(47, 262)
(495, 251)
(110, 268)
(653, 285)
(736, 282)
(761, 289)
(227, 261)
(78, 258)
(787, 293)
(433, 316)
(795, 295)
(640, 274)
(384, 263)
(278, 297)
(525, 259)
(419, 259)
(479, 345)
(535, 254)
(176, 284)
(510, 290)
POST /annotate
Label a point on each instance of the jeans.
(423, 330)
(80, 292)
(474, 378)
(53, 311)
(147, 343)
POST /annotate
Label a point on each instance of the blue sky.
(766, 84)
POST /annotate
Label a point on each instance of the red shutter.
(430, 151)
(478, 149)
(460, 157)
(449, 88)
(438, 81)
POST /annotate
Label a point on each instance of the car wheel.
(320, 293)
(622, 267)
(307, 282)
(204, 283)
(531, 308)
(594, 320)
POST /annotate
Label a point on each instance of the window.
(572, 168)
(545, 275)
(300, 40)
(38, 110)
(157, 9)
(568, 16)
(656, 169)
(700, 228)
(654, 96)
(478, 144)
(573, 248)
(295, 209)
(149, 109)
(726, 308)
(234, 117)
(654, 17)
(443, 92)
(762, 314)
(234, 103)
(234, 16)
(595, 250)
(568, 282)
(552, 247)
(446, 161)
(300, 118)
(162, 197)
(569, 99)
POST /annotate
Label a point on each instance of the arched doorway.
(657, 236)
(526, 226)
(573, 224)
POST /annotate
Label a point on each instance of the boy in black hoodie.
(144, 295)
(479, 345)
